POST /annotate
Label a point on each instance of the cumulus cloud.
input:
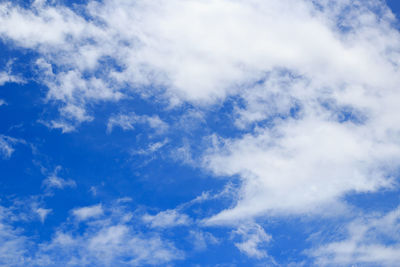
(301, 166)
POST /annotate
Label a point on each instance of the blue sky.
(199, 133)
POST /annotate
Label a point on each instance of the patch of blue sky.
(344, 113)
(395, 8)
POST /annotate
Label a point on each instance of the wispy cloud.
(13, 244)
(168, 218)
(42, 212)
(128, 122)
(108, 239)
(85, 213)
(53, 181)
(7, 145)
(6, 75)
(369, 240)
(253, 236)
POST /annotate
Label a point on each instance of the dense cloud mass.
(313, 89)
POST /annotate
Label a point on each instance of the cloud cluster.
(330, 68)
(316, 84)
(370, 240)
(13, 245)
(107, 241)
(104, 237)
(196, 51)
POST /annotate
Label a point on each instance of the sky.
(200, 133)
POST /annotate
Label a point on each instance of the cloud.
(299, 65)
(151, 149)
(65, 126)
(13, 245)
(89, 212)
(369, 240)
(201, 240)
(128, 121)
(168, 218)
(315, 89)
(6, 77)
(253, 236)
(301, 166)
(6, 146)
(199, 51)
(43, 213)
(56, 182)
(106, 246)
(106, 240)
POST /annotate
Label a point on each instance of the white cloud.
(151, 149)
(53, 181)
(201, 240)
(89, 212)
(42, 212)
(276, 55)
(6, 146)
(372, 240)
(319, 86)
(200, 51)
(13, 245)
(253, 236)
(109, 240)
(168, 218)
(6, 77)
(65, 126)
(2, 102)
(107, 246)
(301, 166)
(128, 121)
